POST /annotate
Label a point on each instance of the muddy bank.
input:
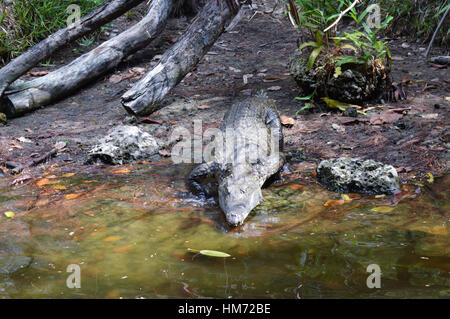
(252, 56)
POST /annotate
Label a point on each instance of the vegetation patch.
(23, 23)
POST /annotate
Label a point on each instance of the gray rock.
(348, 175)
(125, 144)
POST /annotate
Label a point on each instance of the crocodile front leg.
(199, 176)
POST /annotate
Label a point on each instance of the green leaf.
(308, 44)
(337, 72)
(214, 253)
(431, 179)
(365, 12)
(9, 214)
(334, 104)
(313, 56)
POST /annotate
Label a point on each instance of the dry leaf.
(268, 80)
(164, 153)
(274, 88)
(203, 107)
(112, 238)
(72, 196)
(298, 187)
(122, 171)
(43, 182)
(39, 73)
(287, 121)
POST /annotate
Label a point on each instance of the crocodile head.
(239, 192)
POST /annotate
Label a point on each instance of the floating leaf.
(214, 253)
(334, 203)
(112, 238)
(10, 214)
(210, 253)
(383, 209)
(298, 187)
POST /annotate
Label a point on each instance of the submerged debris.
(124, 144)
(348, 175)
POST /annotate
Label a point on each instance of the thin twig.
(341, 15)
(435, 32)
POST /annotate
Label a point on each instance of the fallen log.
(108, 11)
(20, 98)
(144, 97)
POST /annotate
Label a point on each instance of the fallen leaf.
(287, 120)
(383, 209)
(386, 117)
(148, 120)
(334, 202)
(335, 104)
(431, 179)
(268, 80)
(120, 171)
(39, 73)
(59, 187)
(42, 182)
(72, 196)
(68, 174)
(10, 214)
(112, 238)
(298, 187)
(274, 88)
(203, 107)
(124, 248)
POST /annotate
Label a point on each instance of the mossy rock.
(353, 85)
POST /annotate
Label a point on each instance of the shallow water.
(130, 231)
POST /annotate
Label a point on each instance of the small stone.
(351, 112)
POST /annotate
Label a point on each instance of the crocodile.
(248, 154)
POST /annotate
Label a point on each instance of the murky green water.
(130, 232)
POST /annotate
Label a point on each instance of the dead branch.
(100, 16)
(24, 97)
(182, 57)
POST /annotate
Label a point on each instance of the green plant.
(25, 22)
(330, 50)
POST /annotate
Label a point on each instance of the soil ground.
(259, 47)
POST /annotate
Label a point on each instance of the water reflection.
(130, 233)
